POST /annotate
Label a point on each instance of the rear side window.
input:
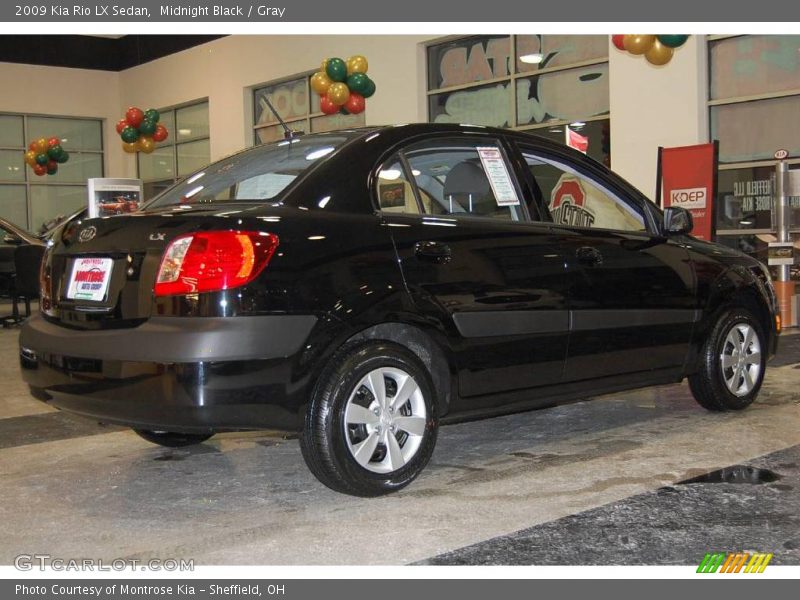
(452, 177)
(395, 192)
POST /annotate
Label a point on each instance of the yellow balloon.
(659, 54)
(146, 144)
(41, 145)
(129, 148)
(320, 82)
(338, 93)
(30, 157)
(357, 64)
(324, 66)
(638, 43)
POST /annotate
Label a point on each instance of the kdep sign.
(689, 198)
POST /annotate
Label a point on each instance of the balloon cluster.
(44, 155)
(657, 49)
(343, 86)
(140, 130)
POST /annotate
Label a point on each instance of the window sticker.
(495, 168)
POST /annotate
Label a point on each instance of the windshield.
(257, 175)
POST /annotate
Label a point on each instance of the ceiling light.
(390, 174)
(531, 59)
(184, 131)
(577, 124)
(319, 153)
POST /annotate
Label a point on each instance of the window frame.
(29, 182)
(471, 139)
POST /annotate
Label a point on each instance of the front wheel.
(171, 439)
(371, 426)
(733, 363)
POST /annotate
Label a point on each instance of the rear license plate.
(89, 279)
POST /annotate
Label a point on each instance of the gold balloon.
(146, 144)
(324, 65)
(129, 148)
(638, 43)
(320, 82)
(659, 54)
(41, 145)
(30, 157)
(338, 93)
(357, 64)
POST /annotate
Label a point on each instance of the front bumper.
(172, 373)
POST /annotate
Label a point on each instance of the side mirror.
(677, 221)
(11, 240)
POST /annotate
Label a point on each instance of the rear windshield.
(258, 175)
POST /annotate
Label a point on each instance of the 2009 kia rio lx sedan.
(362, 286)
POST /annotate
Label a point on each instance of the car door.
(474, 265)
(632, 291)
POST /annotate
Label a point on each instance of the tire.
(716, 385)
(171, 439)
(356, 444)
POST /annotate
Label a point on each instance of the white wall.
(225, 70)
(656, 106)
(65, 92)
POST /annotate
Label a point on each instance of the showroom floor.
(587, 483)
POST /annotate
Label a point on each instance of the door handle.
(589, 255)
(434, 252)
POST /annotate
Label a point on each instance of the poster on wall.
(109, 197)
(687, 178)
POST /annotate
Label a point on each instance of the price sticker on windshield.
(495, 168)
(89, 279)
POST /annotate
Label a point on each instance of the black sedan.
(364, 286)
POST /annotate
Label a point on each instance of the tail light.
(210, 261)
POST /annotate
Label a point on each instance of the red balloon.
(328, 107)
(33, 146)
(51, 164)
(134, 116)
(121, 124)
(618, 41)
(160, 134)
(40, 170)
(53, 141)
(355, 103)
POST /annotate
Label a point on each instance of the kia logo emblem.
(87, 234)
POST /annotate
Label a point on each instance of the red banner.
(688, 177)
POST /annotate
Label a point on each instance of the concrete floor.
(71, 488)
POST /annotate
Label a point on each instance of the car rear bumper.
(171, 373)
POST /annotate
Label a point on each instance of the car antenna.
(288, 133)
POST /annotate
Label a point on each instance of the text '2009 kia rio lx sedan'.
(361, 286)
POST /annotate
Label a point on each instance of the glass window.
(75, 134)
(299, 107)
(53, 201)
(575, 201)
(535, 82)
(14, 205)
(395, 192)
(464, 179)
(755, 130)
(597, 132)
(185, 150)
(12, 165)
(256, 175)
(11, 132)
(744, 198)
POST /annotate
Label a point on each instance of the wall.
(656, 106)
(65, 92)
(224, 71)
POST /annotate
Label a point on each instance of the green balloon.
(151, 114)
(369, 89)
(336, 69)
(343, 111)
(63, 157)
(673, 41)
(42, 159)
(54, 152)
(147, 127)
(357, 82)
(52, 171)
(129, 135)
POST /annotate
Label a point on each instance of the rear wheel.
(171, 439)
(733, 363)
(371, 426)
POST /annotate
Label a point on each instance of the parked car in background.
(364, 286)
(13, 236)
